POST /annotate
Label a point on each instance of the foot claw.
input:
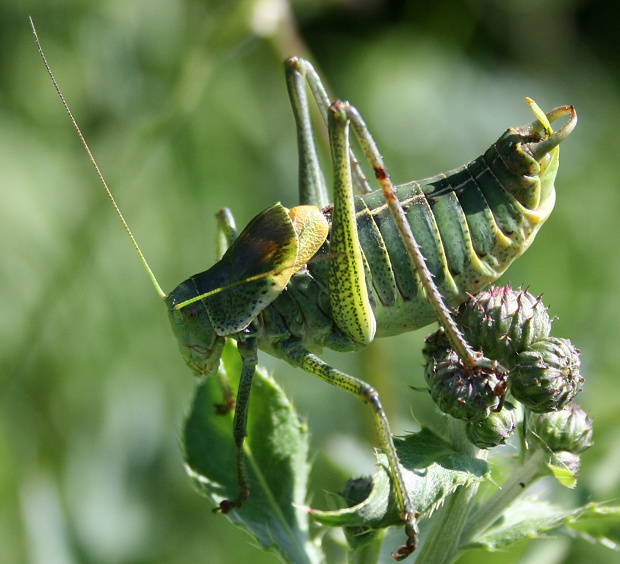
(411, 530)
(226, 407)
(226, 506)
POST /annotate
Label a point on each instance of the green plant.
(448, 472)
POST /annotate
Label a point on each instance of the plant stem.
(442, 544)
(486, 514)
(370, 553)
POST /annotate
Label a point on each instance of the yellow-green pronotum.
(369, 266)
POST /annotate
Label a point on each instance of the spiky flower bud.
(495, 429)
(569, 429)
(546, 376)
(436, 346)
(356, 490)
(464, 393)
(503, 322)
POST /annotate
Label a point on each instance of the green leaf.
(529, 518)
(276, 454)
(598, 524)
(432, 470)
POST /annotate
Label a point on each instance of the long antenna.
(92, 160)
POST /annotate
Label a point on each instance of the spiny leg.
(297, 72)
(295, 353)
(248, 349)
(312, 187)
(349, 299)
(342, 113)
(351, 309)
(348, 294)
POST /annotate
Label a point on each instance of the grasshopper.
(389, 261)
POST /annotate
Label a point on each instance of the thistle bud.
(495, 429)
(462, 392)
(569, 429)
(436, 346)
(503, 322)
(546, 376)
(356, 491)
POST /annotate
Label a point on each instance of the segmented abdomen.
(469, 227)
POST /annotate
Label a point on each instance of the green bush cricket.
(388, 261)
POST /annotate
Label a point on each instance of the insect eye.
(191, 314)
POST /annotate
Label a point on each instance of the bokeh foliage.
(185, 108)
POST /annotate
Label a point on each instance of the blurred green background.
(184, 105)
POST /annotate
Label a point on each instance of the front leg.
(248, 350)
